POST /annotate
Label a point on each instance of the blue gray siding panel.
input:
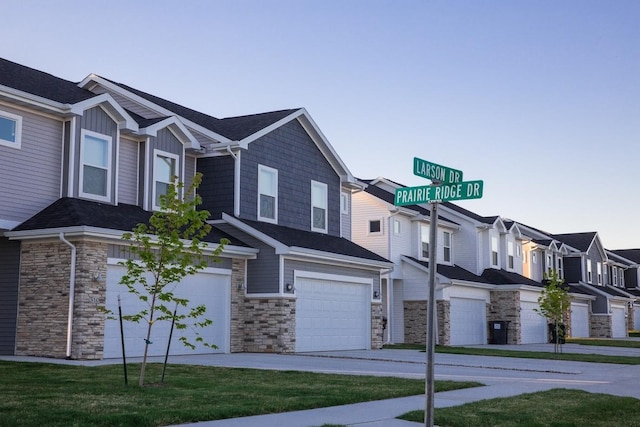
(9, 279)
(128, 172)
(217, 188)
(291, 265)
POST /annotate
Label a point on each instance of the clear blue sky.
(540, 99)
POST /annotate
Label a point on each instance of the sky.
(539, 99)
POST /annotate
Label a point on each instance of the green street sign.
(436, 172)
(438, 193)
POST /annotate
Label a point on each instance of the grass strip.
(557, 407)
(38, 394)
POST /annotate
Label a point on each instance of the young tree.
(554, 303)
(165, 251)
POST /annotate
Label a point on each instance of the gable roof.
(630, 254)
(580, 241)
(41, 84)
(72, 212)
(504, 277)
(450, 271)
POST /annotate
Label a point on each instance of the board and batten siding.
(128, 172)
(295, 156)
(217, 187)
(9, 280)
(290, 266)
(31, 173)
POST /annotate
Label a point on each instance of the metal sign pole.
(431, 315)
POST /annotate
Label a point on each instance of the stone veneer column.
(444, 322)
(43, 301)
(376, 326)
(415, 322)
(600, 326)
(237, 305)
(505, 305)
(270, 325)
(631, 317)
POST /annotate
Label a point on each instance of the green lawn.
(558, 407)
(36, 394)
(604, 342)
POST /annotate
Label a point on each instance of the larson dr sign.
(438, 193)
(436, 172)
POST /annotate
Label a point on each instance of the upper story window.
(599, 272)
(549, 263)
(267, 194)
(589, 272)
(165, 168)
(344, 203)
(375, 226)
(424, 241)
(621, 278)
(318, 206)
(615, 276)
(397, 227)
(560, 268)
(10, 130)
(95, 166)
(534, 257)
(494, 251)
(446, 246)
(510, 262)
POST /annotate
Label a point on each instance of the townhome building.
(85, 162)
(480, 282)
(631, 281)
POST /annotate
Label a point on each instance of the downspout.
(72, 291)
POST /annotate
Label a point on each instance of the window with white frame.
(494, 251)
(95, 166)
(375, 226)
(344, 203)
(599, 272)
(318, 206)
(534, 257)
(560, 268)
(518, 250)
(397, 227)
(424, 241)
(549, 264)
(510, 263)
(10, 130)
(267, 194)
(621, 278)
(615, 276)
(165, 168)
(589, 272)
(446, 246)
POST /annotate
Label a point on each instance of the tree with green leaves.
(554, 302)
(164, 252)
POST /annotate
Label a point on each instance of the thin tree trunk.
(146, 341)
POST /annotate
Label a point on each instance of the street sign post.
(447, 185)
(438, 193)
(436, 172)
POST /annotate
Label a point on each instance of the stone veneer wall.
(630, 318)
(238, 267)
(444, 322)
(44, 299)
(269, 325)
(505, 305)
(376, 326)
(600, 326)
(415, 322)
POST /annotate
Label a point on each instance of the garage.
(332, 313)
(210, 287)
(618, 321)
(636, 317)
(579, 320)
(468, 319)
(534, 326)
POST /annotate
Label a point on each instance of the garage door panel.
(579, 320)
(534, 326)
(619, 322)
(468, 321)
(210, 289)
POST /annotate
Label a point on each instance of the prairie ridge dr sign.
(440, 193)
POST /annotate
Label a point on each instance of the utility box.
(498, 332)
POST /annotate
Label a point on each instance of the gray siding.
(9, 279)
(290, 150)
(217, 188)
(128, 172)
(291, 265)
(31, 174)
(142, 172)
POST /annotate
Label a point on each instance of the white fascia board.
(517, 287)
(278, 246)
(477, 285)
(33, 100)
(81, 230)
(125, 120)
(180, 130)
(93, 79)
(296, 251)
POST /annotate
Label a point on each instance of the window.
(267, 194)
(95, 166)
(518, 251)
(599, 272)
(615, 276)
(10, 130)
(549, 264)
(589, 273)
(375, 226)
(446, 246)
(534, 257)
(424, 241)
(494, 251)
(318, 206)
(621, 278)
(560, 268)
(510, 255)
(397, 227)
(344, 203)
(164, 171)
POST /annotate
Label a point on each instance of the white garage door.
(579, 320)
(468, 321)
(332, 315)
(636, 317)
(211, 288)
(534, 326)
(619, 321)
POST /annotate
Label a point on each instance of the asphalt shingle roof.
(580, 241)
(452, 271)
(504, 277)
(630, 254)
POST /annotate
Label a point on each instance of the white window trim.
(428, 241)
(495, 249)
(173, 156)
(589, 272)
(18, 119)
(397, 227)
(273, 220)
(599, 272)
(325, 206)
(109, 139)
(344, 203)
(511, 263)
(375, 233)
(444, 247)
